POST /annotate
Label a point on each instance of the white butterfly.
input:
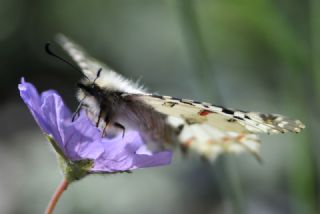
(114, 103)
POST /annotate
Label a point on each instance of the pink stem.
(53, 202)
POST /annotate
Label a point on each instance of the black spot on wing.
(231, 120)
(158, 96)
(268, 118)
(227, 111)
(197, 102)
(170, 104)
(247, 117)
(206, 105)
(239, 118)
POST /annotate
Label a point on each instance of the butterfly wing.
(108, 79)
(211, 130)
(224, 119)
(88, 65)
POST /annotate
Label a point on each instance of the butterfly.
(116, 104)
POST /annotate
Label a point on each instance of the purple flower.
(80, 140)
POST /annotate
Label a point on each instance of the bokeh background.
(260, 55)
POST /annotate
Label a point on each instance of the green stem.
(315, 45)
(230, 182)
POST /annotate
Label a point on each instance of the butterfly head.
(90, 89)
(89, 94)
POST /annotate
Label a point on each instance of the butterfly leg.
(120, 126)
(99, 117)
(104, 131)
(76, 113)
(107, 120)
(117, 125)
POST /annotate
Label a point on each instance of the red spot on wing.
(204, 112)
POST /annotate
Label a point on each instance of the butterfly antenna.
(50, 52)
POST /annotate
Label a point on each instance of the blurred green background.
(260, 55)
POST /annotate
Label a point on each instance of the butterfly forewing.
(88, 65)
(221, 118)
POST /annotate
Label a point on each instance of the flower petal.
(32, 99)
(78, 139)
(83, 139)
(125, 154)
